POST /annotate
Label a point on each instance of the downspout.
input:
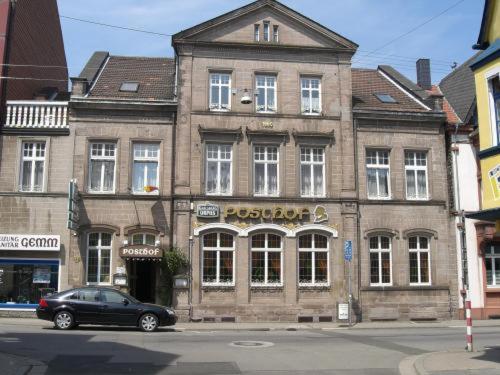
(461, 226)
(358, 218)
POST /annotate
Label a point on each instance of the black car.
(102, 306)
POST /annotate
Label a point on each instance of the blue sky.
(370, 23)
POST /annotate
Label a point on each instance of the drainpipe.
(461, 226)
(358, 216)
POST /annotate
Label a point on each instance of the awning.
(492, 215)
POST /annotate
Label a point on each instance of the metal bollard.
(468, 315)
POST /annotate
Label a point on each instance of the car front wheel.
(148, 323)
(64, 320)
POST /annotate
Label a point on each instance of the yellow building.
(486, 68)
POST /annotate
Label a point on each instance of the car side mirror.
(125, 301)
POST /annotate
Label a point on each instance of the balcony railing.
(36, 115)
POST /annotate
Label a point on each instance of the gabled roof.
(368, 82)
(257, 5)
(482, 42)
(155, 78)
(459, 89)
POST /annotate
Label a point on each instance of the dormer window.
(267, 26)
(256, 33)
(129, 87)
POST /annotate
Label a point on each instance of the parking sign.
(348, 250)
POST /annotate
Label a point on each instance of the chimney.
(80, 86)
(424, 73)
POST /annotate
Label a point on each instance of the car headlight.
(170, 311)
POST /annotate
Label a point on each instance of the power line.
(116, 26)
(414, 28)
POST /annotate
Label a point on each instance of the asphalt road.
(97, 350)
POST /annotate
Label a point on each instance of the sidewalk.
(280, 326)
(484, 362)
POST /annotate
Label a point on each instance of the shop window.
(143, 239)
(267, 260)
(219, 169)
(311, 96)
(218, 259)
(146, 168)
(313, 260)
(266, 93)
(220, 92)
(492, 262)
(312, 172)
(102, 167)
(99, 258)
(24, 282)
(418, 248)
(378, 174)
(416, 175)
(266, 170)
(32, 167)
(380, 261)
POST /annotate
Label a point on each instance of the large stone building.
(260, 153)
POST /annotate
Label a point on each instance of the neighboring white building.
(460, 105)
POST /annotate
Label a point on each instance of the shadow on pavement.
(78, 354)
(112, 329)
(491, 354)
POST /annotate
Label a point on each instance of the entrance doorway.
(142, 280)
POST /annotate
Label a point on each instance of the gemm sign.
(30, 242)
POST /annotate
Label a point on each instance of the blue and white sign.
(348, 250)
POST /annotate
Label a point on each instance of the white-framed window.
(494, 99)
(267, 260)
(99, 258)
(310, 96)
(32, 166)
(267, 31)
(276, 35)
(102, 165)
(380, 261)
(256, 33)
(314, 260)
(266, 180)
(218, 259)
(312, 172)
(416, 175)
(143, 239)
(420, 264)
(266, 93)
(378, 174)
(492, 263)
(219, 169)
(220, 91)
(146, 168)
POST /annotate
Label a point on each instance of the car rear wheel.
(148, 323)
(64, 320)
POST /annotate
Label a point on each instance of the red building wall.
(35, 38)
(4, 23)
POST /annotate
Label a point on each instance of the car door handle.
(103, 307)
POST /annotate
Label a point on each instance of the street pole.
(468, 314)
(350, 295)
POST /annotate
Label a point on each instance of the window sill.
(267, 287)
(379, 198)
(146, 194)
(493, 289)
(219, 110)
(418, 199)
(312, 287)
(219, 195)
(100, 192)
(311, 114)
(220, 288)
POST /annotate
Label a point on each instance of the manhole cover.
(251, 344)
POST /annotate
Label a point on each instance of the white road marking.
(9, 339)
